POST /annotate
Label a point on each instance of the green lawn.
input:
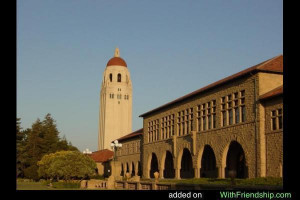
(32, 186)
(268, 181)
(39, 186)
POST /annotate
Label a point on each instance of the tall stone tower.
(115, 116)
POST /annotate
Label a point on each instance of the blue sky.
(171, 47)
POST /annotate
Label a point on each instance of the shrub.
(31, 172)
(66, 165)
(99, 177)
(66, 184)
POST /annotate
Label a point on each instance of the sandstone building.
(234, 124)
(115, 115)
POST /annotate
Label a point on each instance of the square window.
(214, 102)
(223, 99)
(243, 101)
(243, 93)
(280, 122)
(229, 97)
(236, 95)
(273, 123)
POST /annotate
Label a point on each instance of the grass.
(267, 181)
(30, 185)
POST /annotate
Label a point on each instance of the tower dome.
(116, 60)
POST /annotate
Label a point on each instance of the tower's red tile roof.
(116, 61)
(131, 135)
(273, 65)
(102, 155)
(275, 92)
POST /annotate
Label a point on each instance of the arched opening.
(127, 168)
(154, 165)
(122, 170)
(235, 161)
(133, 170)
(169, 171)
(107, 169)
(208, 163)
(139, 169)
(110, 77)
(119, 77)
(186, 170)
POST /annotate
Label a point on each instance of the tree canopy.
(66, 165)
(35, 142)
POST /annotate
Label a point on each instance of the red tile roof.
(274, 65)
(131, 135)
(116, 61)
(275, 92)
(102, 155)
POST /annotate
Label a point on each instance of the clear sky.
(171, 47)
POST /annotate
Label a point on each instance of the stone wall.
(130, 154)
(246, 133)
(274, 140)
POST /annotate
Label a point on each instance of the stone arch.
(167, 165)
(234, 159)
(152, 165)
(185, 163)
(208, 167)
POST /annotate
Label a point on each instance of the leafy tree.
(67, 165)
(50, 135)
(22, 155)
(31, 172)
(33, 144)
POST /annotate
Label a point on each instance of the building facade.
(115, 115)
(129, 156)
(272, 102)
(225, 126)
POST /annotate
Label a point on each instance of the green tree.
(50, 134)
(33, 144)
(67, 165)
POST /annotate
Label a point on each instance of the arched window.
(119, 77)
(110, 77)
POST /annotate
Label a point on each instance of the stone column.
(136, 166)
(161, 173)
(130, 169)
(115, 168)
(194, 138)
(221, 171)
(177, 173)
(197, 172)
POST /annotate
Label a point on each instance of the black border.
(289, 137)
